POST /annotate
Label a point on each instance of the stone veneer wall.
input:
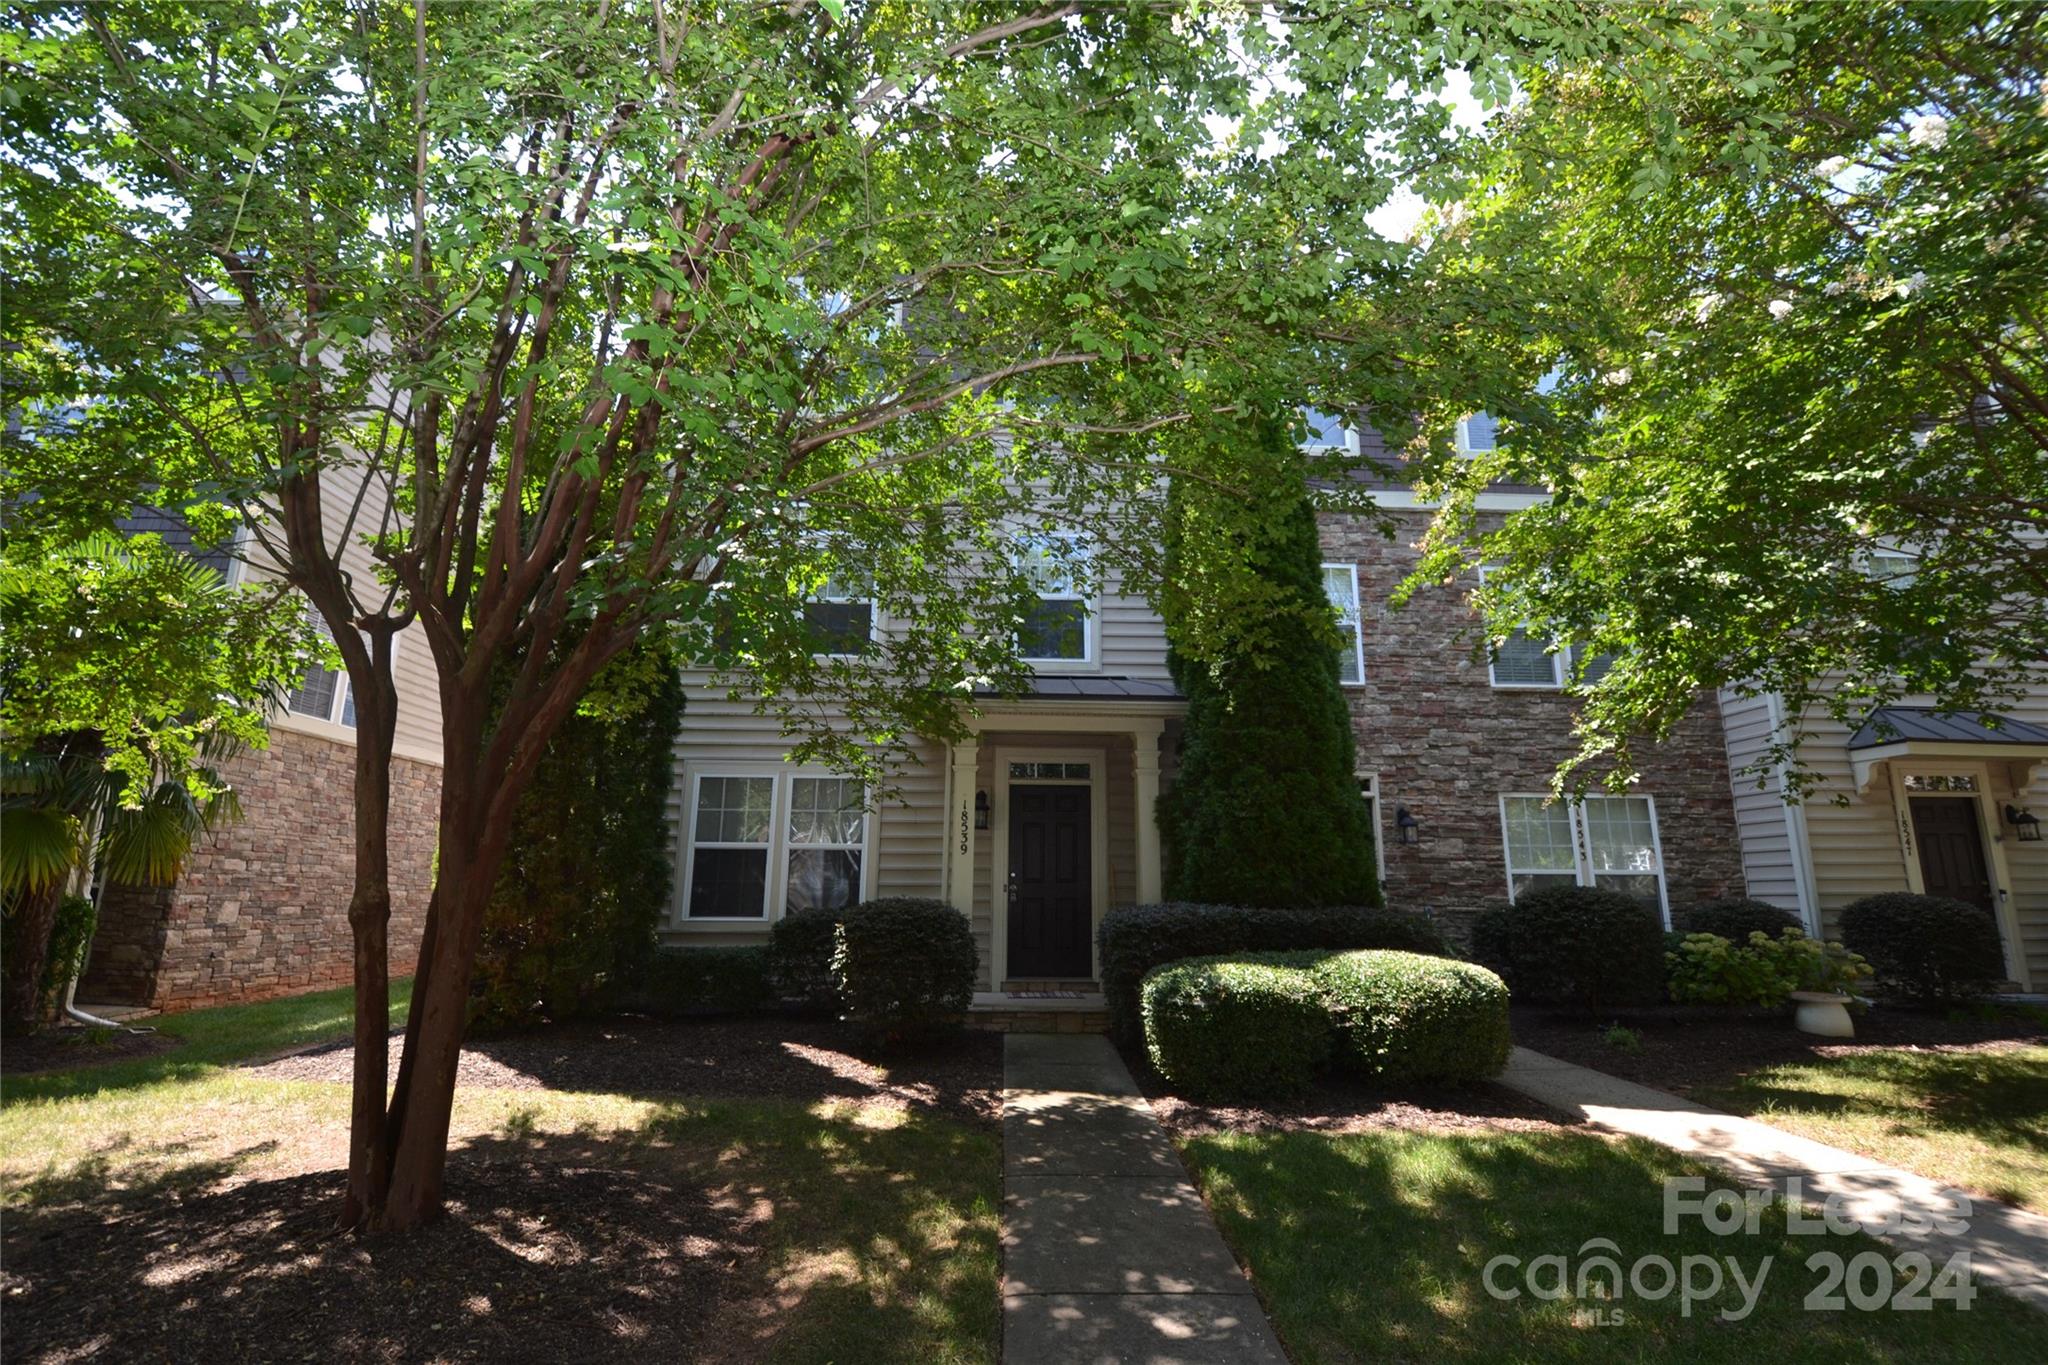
(262, 908)
(1446, 743)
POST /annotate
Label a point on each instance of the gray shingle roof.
(1897, 724)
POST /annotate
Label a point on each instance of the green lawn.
(1374, 1246)
(868, 1232)
(212, 1039)
(1977, 1120)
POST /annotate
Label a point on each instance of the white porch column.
(1145, 751)
(960, 828)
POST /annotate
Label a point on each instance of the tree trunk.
(369, 918)
(29, 949)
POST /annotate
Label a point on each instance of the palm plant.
(63, 820)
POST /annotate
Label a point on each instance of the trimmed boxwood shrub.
(1925, 947)
(1735, 919)
(1404, 1018)
(1237, 1027)
(904, 968)
(1137, 938)
(800, 948)
(1578, 946)
(725, 980)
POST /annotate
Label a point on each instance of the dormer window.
(1326, 431)
(1476, 433)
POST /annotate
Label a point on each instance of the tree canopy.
(1796, 429)
(605, 318)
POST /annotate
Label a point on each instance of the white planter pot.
(1823, 1014)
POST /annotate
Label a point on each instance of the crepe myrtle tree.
(1797, 433)
(622, 317)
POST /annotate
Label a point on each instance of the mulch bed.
(1681, 1050)
(1338, 1104)
(741, 1057)
(67, 1049)
(543, 1255)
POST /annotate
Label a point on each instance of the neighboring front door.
(1951, 849)
(1049, 891)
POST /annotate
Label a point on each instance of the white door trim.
(1990, 833)
(999, 861)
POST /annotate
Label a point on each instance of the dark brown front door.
(1951, 849)
(1050, 914)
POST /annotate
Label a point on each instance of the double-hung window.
(1525, 660)
(1340, 585)
(841, 615)
(1327, 431)
(1059, 627)
(1605, 841)
(764, 840)
(324, 694)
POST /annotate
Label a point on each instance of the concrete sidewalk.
(2008, 1247)
(1108, 1251)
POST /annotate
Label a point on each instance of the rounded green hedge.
(1261, 1025)
(1137, 938)
(903, 967)
(1236, 1027)
(1578, 946)
(1925, 947)
(1404, 1018)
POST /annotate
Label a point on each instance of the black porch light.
(1406, 827)
(2026, 826)
(981, 810)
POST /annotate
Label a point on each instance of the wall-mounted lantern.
(981, 810)
(1406, 827)
(2026, 826)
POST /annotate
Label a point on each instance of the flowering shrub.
(1707, 969)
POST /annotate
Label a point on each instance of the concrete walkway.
(1108, 1251)
(2008, 1247)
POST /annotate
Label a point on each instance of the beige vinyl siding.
(1133, 637)
(418, 731)
(906, 829)
(1761, 817)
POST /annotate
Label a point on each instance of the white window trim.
(1582, 847)
(1357, 622)
(775, 890)
(332, 723)
(1464, 441)
(1090, 614)
(874, 617)
(1559, 672)
(1352, 445)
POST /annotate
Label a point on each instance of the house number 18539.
(964, 828)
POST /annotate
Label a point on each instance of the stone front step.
(1038, 1012)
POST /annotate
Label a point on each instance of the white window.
(1525, 660)
(1476, 433)
(1606, 841)
(1340, 585)
(324, 694)
(841, 616)
(764, 841)
(1061, 627)
(1326, 431)
(1891, 568)
(1592, 667)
